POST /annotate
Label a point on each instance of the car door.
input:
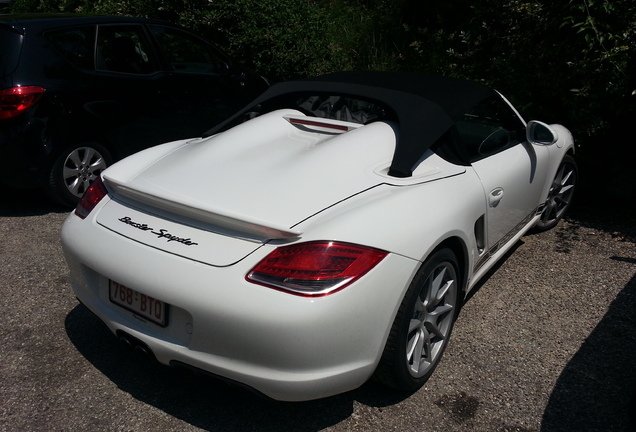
(512, 171)
(112, 96)
(128, 79)
(200, 86)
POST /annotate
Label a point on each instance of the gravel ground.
(547, 343)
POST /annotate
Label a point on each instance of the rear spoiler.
(239, 225)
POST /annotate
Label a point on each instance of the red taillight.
(315, 268)
(93, 195)
(16, 100)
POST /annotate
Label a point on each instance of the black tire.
(74, 169)
(560, 195)
(423, 324)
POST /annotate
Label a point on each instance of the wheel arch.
(386, 371)
(67, 129)
(460, 250)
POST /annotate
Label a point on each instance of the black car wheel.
(74, 170)
(423, 324)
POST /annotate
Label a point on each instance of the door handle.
(496, 195)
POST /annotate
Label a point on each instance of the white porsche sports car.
(327, 233)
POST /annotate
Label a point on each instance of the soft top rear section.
(423, 107)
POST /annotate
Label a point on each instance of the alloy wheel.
(81, 168)
(560, 194)
(432, 320)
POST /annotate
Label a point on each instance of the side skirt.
(490, 257)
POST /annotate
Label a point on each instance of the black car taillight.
(315, 269)
(16, 100)
(93, 195)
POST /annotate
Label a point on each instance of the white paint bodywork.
(240, 194)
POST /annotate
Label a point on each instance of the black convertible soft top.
(425, 107)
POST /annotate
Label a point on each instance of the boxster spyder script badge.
(161, 233)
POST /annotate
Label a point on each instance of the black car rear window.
(75, 44)
(10, 47)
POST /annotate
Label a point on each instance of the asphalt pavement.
(546, 343)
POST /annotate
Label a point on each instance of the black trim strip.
(505, 239)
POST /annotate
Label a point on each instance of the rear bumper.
(23, 154)
(284, 346)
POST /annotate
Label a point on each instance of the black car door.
(131, 79)
(141, 85)
(201, 87)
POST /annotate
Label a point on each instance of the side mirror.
(540, 133)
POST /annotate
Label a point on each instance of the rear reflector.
(16, 100)
(315, 268)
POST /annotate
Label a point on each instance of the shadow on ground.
(27, 202)
(597, 389)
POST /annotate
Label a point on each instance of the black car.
(79, 92)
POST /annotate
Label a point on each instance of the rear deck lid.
(254, 182)
(267, 171)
